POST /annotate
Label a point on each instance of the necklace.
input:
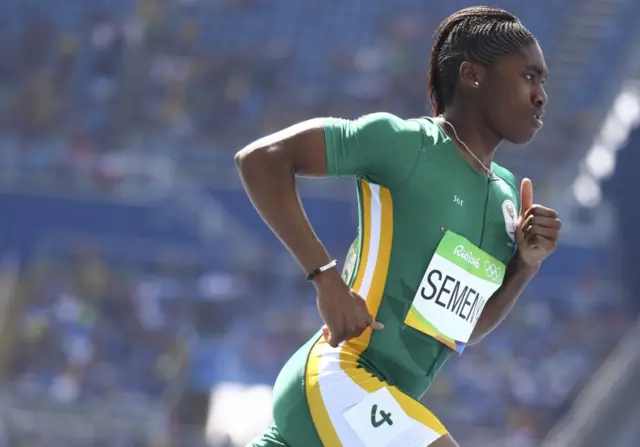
(488, 171)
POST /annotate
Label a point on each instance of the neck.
(473, 132)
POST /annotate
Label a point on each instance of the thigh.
(445, 441)
(270, 438)
(352, 408)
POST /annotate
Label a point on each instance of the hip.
(323, 393)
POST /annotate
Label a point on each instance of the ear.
(471, 75)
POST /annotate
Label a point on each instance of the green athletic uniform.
(434, 239)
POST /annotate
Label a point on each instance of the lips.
(537, 117)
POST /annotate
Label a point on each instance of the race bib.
(455, 288)
(378, 419)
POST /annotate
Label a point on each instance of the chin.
(522, 138)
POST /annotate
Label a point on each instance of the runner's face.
(515, 96)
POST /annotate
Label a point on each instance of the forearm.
(270, 182)
(517, 277)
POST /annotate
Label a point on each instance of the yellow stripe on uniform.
(375, 251)
(319, 414)
(372, 272)
(369, 282)
(417, 411)
(365, 203)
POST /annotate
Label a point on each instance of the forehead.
(528, 58)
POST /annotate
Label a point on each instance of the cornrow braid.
(478, 34)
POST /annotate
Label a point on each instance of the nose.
(540, 97)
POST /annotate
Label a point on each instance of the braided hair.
(479, 34)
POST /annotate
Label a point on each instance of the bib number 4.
(380, 418)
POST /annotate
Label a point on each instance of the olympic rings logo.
(493, 271)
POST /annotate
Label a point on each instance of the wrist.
(327, 278)
(321, 269)
(521, 265)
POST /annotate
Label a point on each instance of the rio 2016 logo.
(462, 253)
(493, 271)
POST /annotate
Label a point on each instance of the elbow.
(249, 158)
(241, 157)
(255, 160)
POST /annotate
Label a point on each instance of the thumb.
(526, 196)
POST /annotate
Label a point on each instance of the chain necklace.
(488, 171)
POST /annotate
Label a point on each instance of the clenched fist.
(344, 312)
(538, 228)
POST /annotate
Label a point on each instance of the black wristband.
(322, 269)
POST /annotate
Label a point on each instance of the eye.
(531, 78)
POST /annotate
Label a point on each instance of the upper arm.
(379, 146)
(301, 147)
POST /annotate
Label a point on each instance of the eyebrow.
(539, 70)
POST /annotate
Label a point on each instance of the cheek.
(516, 94)
(498, 104)
(510, 99)
(506, 109)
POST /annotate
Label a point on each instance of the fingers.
(542, 226)
(526, 196)
(539, 210)
(548, 233)
(358, 324)
(334, 339)
(542, 232)
(368, 320)
(542, 243)
(538, 226)
(542, 221)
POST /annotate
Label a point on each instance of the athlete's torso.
(405, 224)
(414, 185)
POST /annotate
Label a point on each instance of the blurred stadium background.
(143, 303)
